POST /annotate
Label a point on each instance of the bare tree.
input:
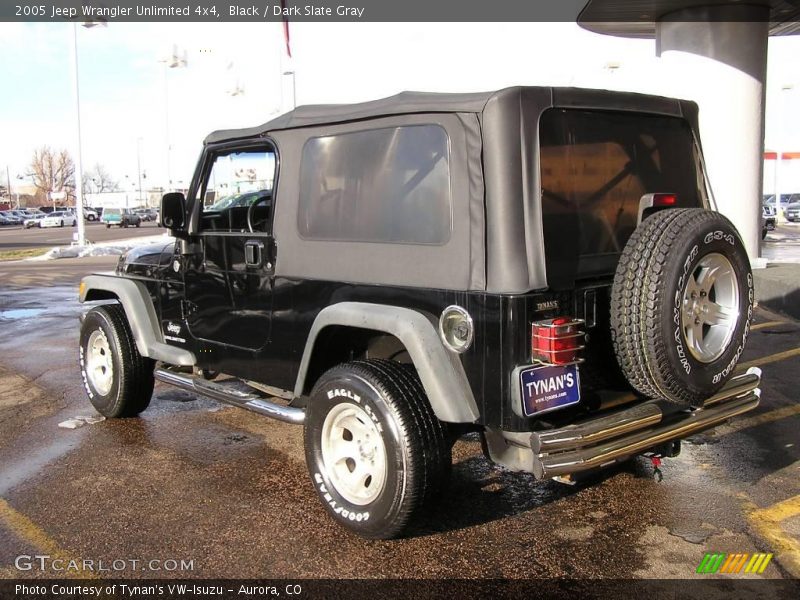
(53, 171)
(99, 180)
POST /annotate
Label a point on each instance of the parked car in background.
(4, 221)
(59, 218)
(768, 219)
(792, 212)
(11, 217)
(46, 209)
(90, 214)
(34, 220)
(121, 217)
(147, 214)
(786, 201)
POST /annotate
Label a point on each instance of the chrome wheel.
(710, 307)
(354, 454)
(99, 363)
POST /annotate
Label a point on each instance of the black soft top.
(428, 102)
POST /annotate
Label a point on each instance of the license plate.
(548, 388)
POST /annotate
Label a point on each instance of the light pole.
(79, 152)
(139, 165)
(172, 62)
(294, 88)
(8, 185)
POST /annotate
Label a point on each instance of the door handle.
(253, 253)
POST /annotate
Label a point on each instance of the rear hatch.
(595, 167)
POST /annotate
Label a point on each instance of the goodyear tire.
(376, 453)
(118, 380)
(681, 305)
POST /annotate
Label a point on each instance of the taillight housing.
(664, 200)
(558, 341)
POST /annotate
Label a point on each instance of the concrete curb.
(778, 288)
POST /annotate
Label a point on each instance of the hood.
(151, 255)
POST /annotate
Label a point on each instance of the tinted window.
(381, 185)
(595, 167)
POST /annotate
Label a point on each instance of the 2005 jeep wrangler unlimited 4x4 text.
(539, 265)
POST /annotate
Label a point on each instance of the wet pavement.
(782, 244)
(228, 490)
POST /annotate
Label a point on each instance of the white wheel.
(354, 454)
(99, 364)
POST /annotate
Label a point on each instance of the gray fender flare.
(440, 371)
(141, 315)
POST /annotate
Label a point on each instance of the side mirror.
(173, 210)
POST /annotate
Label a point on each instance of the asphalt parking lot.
(18, 238)
(227, 490)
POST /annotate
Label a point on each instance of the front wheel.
(118, 380)
(376, 453)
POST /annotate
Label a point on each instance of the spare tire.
(681, 305)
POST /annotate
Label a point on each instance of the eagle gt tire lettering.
(681, 306)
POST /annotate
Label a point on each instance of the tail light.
(649, 203)
(664, 200)
(557, 341)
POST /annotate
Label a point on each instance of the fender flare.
(141, 315)
(441, 372)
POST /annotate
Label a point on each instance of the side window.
(382, 185)
(240, 182)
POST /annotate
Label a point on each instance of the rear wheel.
(118, 380)
(376, 453)
(682, 302)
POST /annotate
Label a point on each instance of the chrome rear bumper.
(606, 439)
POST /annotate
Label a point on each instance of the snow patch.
(110, 248)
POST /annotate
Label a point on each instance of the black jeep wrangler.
(539, 265)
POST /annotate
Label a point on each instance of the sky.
(234, 77)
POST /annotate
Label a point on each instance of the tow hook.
(655, 460)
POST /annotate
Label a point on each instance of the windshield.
(596, 166)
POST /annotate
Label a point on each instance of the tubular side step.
(221, 393)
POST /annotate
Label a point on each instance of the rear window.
(595, 167)
(381, 185)
(110, 212)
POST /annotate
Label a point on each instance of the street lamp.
(8, 185)
(174, 61)
(294, 88)
(79, 152)
(139, 165)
